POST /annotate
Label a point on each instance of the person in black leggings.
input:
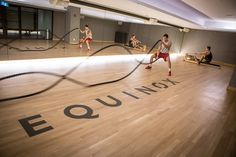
(206, 56)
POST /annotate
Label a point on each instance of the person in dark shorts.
(206, 56)
(134, 42)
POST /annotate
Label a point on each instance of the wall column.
(72, 21)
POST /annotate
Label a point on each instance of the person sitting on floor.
(206, 56)
(135, 43)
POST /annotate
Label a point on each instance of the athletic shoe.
(169, 73)
(148, 67)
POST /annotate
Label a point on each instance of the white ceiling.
(195, 14)
(137, 8)
(216, 9)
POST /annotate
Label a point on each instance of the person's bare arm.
(159, 48)
(166, 44)
(81, 31)
(138, 41)
(202, 53)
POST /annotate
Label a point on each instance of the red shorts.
(88, 39)
(162, 55)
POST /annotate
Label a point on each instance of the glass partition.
(13, 22)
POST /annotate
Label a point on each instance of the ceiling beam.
(119, 11)
(108, 9)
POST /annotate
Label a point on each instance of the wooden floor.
(194, 116)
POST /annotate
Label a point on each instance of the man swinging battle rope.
(162, 52)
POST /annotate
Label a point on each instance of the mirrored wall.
(39, 33)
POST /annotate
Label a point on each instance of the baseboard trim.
(216, 62)
(224, 64)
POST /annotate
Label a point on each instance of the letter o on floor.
(87, 115)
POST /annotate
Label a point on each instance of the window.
(12, 23)
(45, 23)
(25, 22)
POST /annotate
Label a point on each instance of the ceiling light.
(63, 3)
(186, 30)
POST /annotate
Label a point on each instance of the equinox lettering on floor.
(89, 112)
